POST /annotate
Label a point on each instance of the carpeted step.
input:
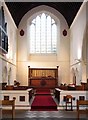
(44, 107)
(43, 92)
(42, 102)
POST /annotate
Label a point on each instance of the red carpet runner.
(43, 103)
(43, 92)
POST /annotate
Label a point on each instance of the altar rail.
(22, 97)
(61, 97)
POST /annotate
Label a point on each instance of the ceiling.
(67, 9)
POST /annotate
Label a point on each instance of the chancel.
(43, 60)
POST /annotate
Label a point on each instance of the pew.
(11, 103)
(82, 103)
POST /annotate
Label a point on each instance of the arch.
(9, 75)
(61, 24)
(34, 11)
(73, 76)
(77, 76)
(50, 12)
(4, 74)
(43, 34)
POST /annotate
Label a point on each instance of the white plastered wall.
(61, 59)
(8, 61)
(78, 45)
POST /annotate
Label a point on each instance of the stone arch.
(4, 74)
(36, 10)
(73, 77)
(9, 75)
(76, 75)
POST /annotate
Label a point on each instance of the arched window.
(43, 34)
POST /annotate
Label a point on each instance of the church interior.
(43, 60)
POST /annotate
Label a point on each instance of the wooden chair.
(69, 101)
(79, 110)
(9, 103)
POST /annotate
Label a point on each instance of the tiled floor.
(44, 115)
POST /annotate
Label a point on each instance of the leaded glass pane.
(32, 38)
(37, 39)
(43, 34)
(54, 37)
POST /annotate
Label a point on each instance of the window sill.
(42, 54)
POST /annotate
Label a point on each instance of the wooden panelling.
(48, 83)
(43, 77)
